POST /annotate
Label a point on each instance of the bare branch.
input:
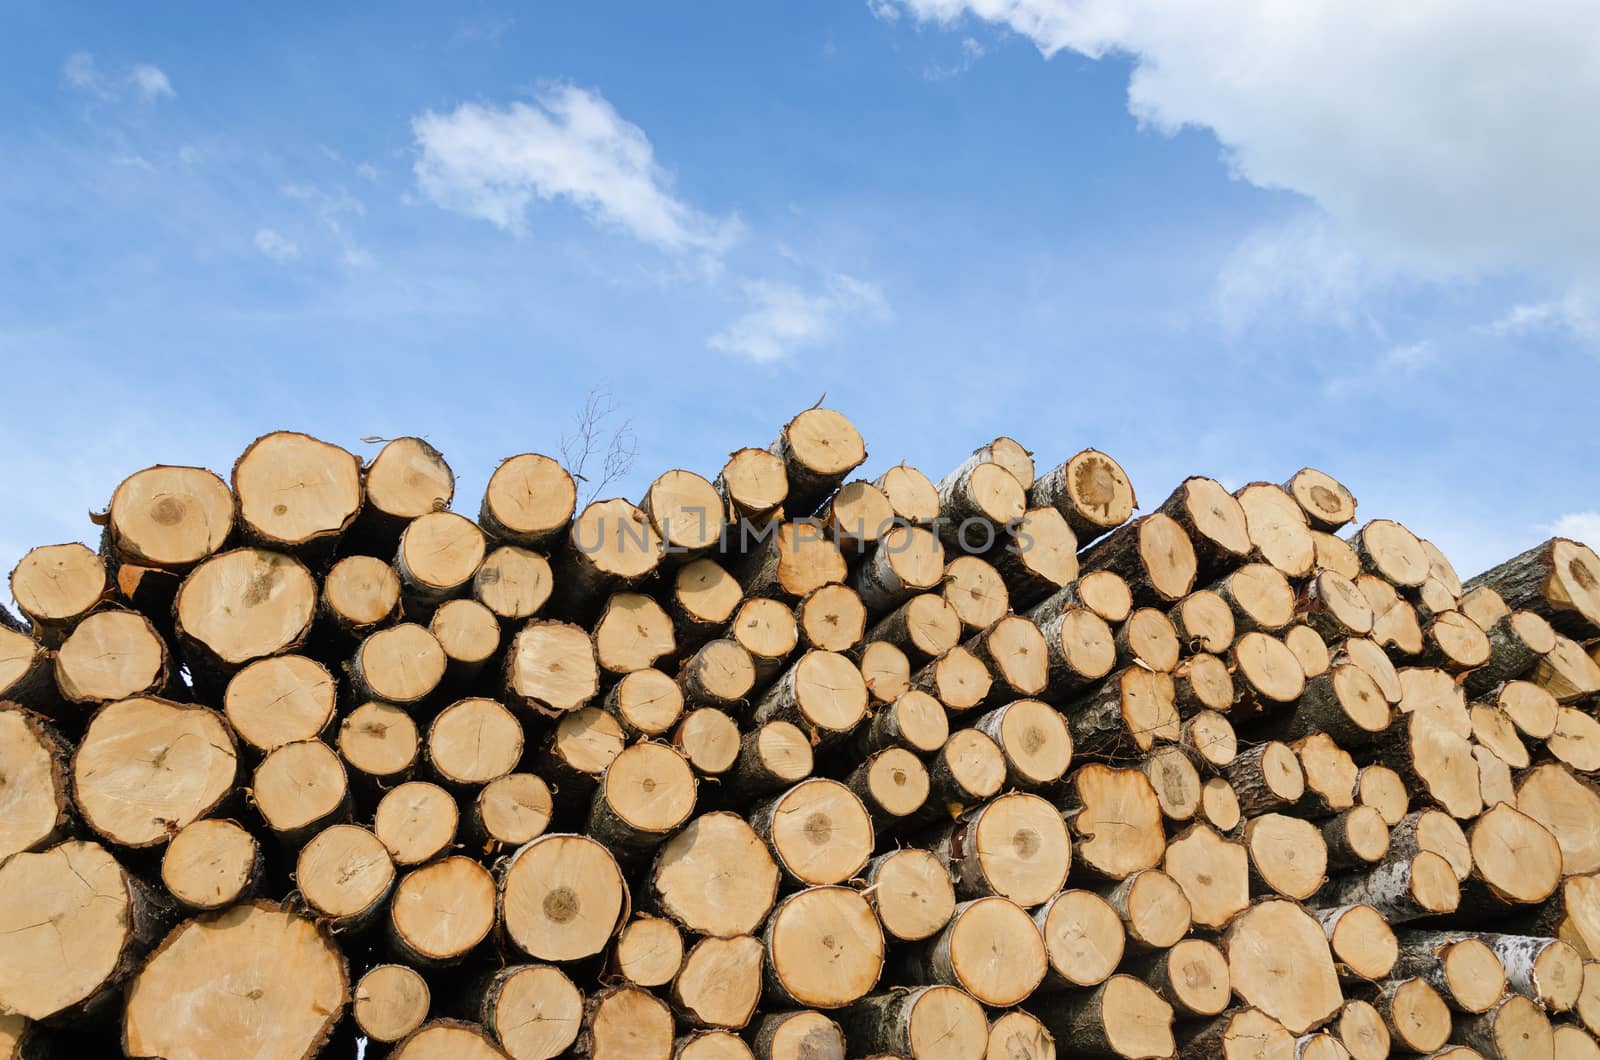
(594, 438)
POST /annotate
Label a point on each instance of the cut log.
(1267, 778)
(1126, 716)
(1332, 605)
(1278, 528)
(1279, 962)
(886, 672)
(1154, 910)
(977, 593)
(36, 809)
(991, 949)
(1102, 592)
(976, 503)
(169, 517)
(27, 672)
(1213, 872)
(818, 830)
(146, 767)
(819, 448)
(296, 493)
(1576, 741)
(1116, 818)
(1214, 521)
(251, 981)
(911, 892)
(1266, 673)
(831, 618)
(406, 479)
(1037, 554)
(513, 582)
(1203, 685)
(1191, 976)
(1436, 831)
(1515, 1029)
(912, 495)
(1361, 941)
(720, 982)
(1436, 762)
(1360, 1029)
(931, 1022)
(112, 655)
(390, 1002)
(1515, 860)
(1416, 1016)
(1395, 626)
(529, 501)
(824, 948)
(1083, 938)
(1308, 649)
(1018, 1036)
(649, 951)
(469, 634)
(915, 720)
(1327, 503)
(1559, 579)
(212, 864)
(73, 925)
(416, 822)
(1090, 490)
(379, 744)
(715, 877)
(1245, 1034)
(1209, 739)
(924, 627)
(561, 898)
(1148, 640)
(242, 605)
(1336, 555)
(892, 784)
(402, 664)
(687, 513)
(1330, 775)
(1079, 649)
(624, 1021)
(1219, 806)
(856, 517)
(702, 602)
(1381, 788)
(1016, 847)
(1153, 555)
(709, 739)
(767, 630)
(1566, 672)
(611, 545)
(823, 693)
(720, 674)
(344, 874)
(1259, 596)
(1366, 653)
(299, 789)
(439, 554)
(645, 702)
(510, 811)
(1574, 1043)
(1345, 703)
(801, 1035)
(1453, 642)
(1121, 1017)
(1176, 782)
(1203, 622)
(754, 483)
(647, 793)
(1465, 972)
(1287, 856)
(279, 700)
(533, 1011)
(1356, 839)
(1015, 654)
(551, 668)
(360, 595)
(1568, 808)
(773, 757)
(1401, 889)
(1393, 553)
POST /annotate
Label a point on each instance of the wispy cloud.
(148, 83)
(1572, 315)
(1303, 268)
(1405, 361)
(276, 246)
(493, 163)
(1580, 526)
(784, 317)
(151, 83)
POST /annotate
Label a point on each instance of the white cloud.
(1448, 133)
(276, 246)
(1303, 267)
(1580, 526)
(81, 72)
(493, 162)
(1411, 358)
(1572, 315)
(785, 317)
(151, 83)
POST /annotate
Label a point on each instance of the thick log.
(1327, 503)
(528, 501)
(802, 1035)
(1126, 716)
(1148, 640)
(648, 952)
(958, 679)
(532, 1010)
(1266, 674)
(1335, 554)
(1083, 938)
(1416, 1016)
(1278, 528)
(1079, 649)
(1102, 592)
(645, 703)
(1213, 872)
(417, 821)
(767, 630)
(893, 785)
(824, 948)
(1090, 490)
(1356, 839)
(510, 811)
(169, 518)
(823, 693)
(1034, 739)
(380, 746)
(417, 929)
(300, 789)
(715, 877)
(924, 1022)
(1036, 555)
(911, 892)
(1345, 703)
(819, 448)
(719, 674)
(242, 605)
(344, 874)
(469, 635)
(977, 593)
(907, 560)
(709, 739)
(1203, 622)
(610, 546)
(754, 483)
(646, 793)
(924, 627)
(1015, 654)
(551, 668)
(1219, 806)
(1514, 1029)
(912, 495)
(1464, 970)
(686, 512)
(831, 618)
(1016, 1035)
(1381, 788)
(1202, 684)
(1214, 521)
(1176, 782)
(389, 1002)
(1153, 909)
(1191, 976)
(1152, 554)
(1016, 847)
(719, 984)
(35, 764)
(818, 830)
(1361, 941)
(625, 1021)
(773, 757)
(886, 672)
(1515, 860)
(990, 949)
(1395, 625)
(1453, 642)
(403, 665)
(702, 601)
(1116, 819)
(472, 742)
(560, 898)
(1402, 888)
(1243, 1034)
(1279, 962)
(1287, 856)
(1121, 1017)
(1209, 740)
(1559, 579)
(1566, 806)
(633, 633)
(1566, 672)
(914, 720)
(1266, 778)
(1332, 605)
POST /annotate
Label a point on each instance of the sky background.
(1224, 237)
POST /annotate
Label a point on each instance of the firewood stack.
(781, 763)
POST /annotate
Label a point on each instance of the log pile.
(783, 763)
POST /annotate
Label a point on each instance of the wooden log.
(1334, 606)
(1345, 703)
(1259, 597)
(1203, 622)
(753, 483)
(773, 757)
(719, 674)
(831, 618)
(1515, 860)
(632, 633)
(472, 742)
(469, 635)
(924, 627)
(711, 1045)
(1209, 739)
(529, 501)
(389, 1002)
(1090, 490)
(1435, 761)
(1361, 941)
(797, 1036)
(1395, 626)
(1153, 908)
(819, 448)
(1213, 872)
(169, 517)
(907, 561)
(912, 495)
(709, 739)
(123, 770)
(893, 785)
(1513, 1029)
(1036, 554)
(300, 789)
(110, 655)
(1266, 778)
(1551, 795)
(1327, 503)
(35, 762)
(513, 582)
(1101, 592)
(767, 630)
(1214, 521)
(1243, 1034)
(1574, 1042)
(1121, 1017)
(646, 793)
(1367, 654)
(648, 952)
(296, 493)
(1405, 887)
(1356, 839)
(702, 601)
(1152, 554)
(380, 746)
(1016, 1035)
(360, 595)
(610, 546)
(439, 555)
(823, 693)
(1116, 819)
(1202, 685)
(1083, 938)
(915, 720)
(531, 1010)
(625, 1021)
(1148, 640)
(886, 672)
(857, 517)
(1219, 806)
(1335, 554)
(1465, 972)
(206, 991)
(1266, 673)
(27, 673)
(1330, 775)
(824, 948)
(510, 811)
(212, 864)
(818, 830)
(715, 877)
(911, 893)
(1191, 976)
(719, 984)
(991, 949)
(1079, 650)
(645, 703)
(561, 898)
(1125, 716)
(1287, 856)
(1279, 962)
(416, 821)
(242, 605)
(551, 668)
(1381, 788)
(402, 665)
(1176, 782)
(1559, 580)
(687, 513)
(344, 874)
(1453, 642)
(1576, 741)
(928, 1021)
(1567, 673)
(1278, 529)
(1308, 649)
(958, 679)
(1436, 831)
(1416, 1016)
(1015, 846)
(976, 592)
(74, 898)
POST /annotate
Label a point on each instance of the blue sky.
(1231, 237)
